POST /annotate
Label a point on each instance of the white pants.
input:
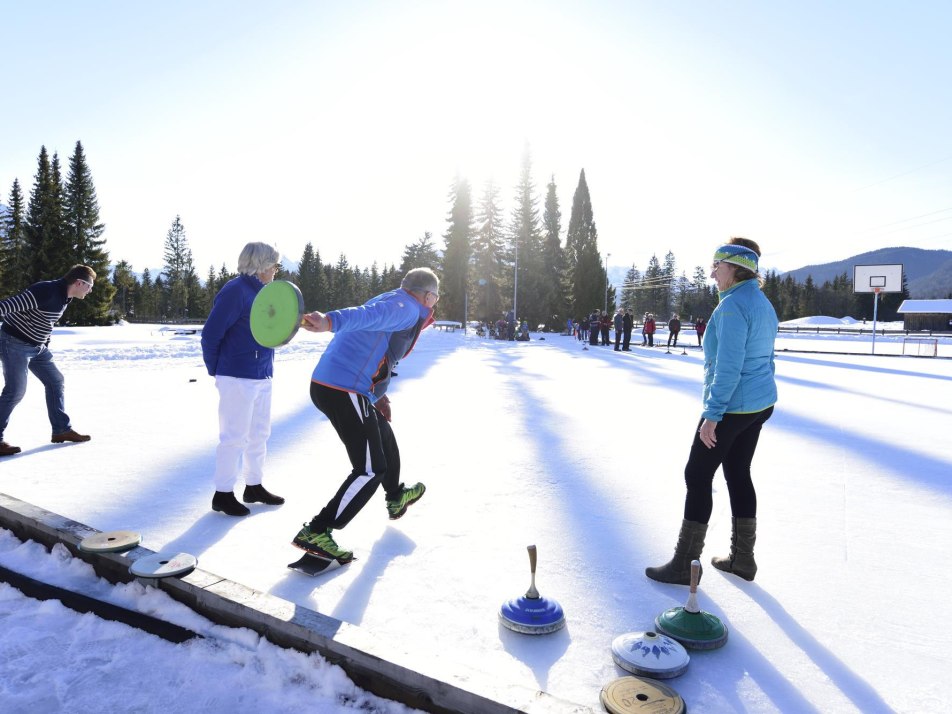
(244, 425)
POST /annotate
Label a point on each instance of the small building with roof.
(931, 315)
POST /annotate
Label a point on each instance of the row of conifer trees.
(489, 263)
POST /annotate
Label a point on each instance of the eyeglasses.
(430, 292)
(85, 282)
(715, 264)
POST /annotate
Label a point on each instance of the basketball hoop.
(877, 290)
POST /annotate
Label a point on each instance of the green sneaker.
(322, 544)
(407, 496)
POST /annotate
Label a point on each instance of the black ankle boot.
(226, 502)
(259, 494)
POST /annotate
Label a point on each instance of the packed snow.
(578, 450)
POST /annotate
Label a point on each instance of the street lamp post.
(607, 256)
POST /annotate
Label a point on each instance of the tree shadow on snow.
(584, 501)
(851, 685)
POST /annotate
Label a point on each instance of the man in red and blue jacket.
(349, 385)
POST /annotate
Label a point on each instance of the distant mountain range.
(928, 273)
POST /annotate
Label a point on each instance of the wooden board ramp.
(418, 679)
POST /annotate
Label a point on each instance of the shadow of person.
(202, 534)
(353, 604)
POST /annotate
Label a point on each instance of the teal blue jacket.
(739, 353)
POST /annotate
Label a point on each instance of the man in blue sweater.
(349, 385)
(28, 320)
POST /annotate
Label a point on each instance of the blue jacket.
(739, 353)
(369, 341)
(227, 345)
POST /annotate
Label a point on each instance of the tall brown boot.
(689, 547)
(741, 560)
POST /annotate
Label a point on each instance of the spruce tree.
(454, 281)
(310, 279)
(629, 290)
(83, 233)
(44, 223)
(583, 261)
(421, 254)
(526, 238)
(145, 301)
(554, 287)
(666, 293)
(124, 289)
(14, 251)
(489, 264)
(179, 272)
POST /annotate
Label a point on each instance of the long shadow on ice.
(852, 686)
(585, 503)
(781, 357)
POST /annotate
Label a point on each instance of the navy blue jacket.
(228, 347)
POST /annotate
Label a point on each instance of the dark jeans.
(18, 357)
(737, 436)
(366, 436)
(673, 336)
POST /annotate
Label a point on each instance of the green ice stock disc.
(276, 313)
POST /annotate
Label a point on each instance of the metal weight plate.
(636, 694)
(110, 542)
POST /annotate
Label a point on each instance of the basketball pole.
(875, 306)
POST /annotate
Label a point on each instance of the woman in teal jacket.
(739, 394)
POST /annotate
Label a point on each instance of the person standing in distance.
(739, 396)
(349, 385)
(242, 370)
(674, 328)
(28, 319)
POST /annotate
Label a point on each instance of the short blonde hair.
(256, 258)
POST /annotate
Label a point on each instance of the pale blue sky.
(818, 129)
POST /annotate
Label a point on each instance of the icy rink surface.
(580, 452)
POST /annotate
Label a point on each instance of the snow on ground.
(579, 451)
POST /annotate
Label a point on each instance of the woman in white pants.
(242, 370)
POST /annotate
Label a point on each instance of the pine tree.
(454, 281)
(526, 238)
(179, 272)
(145, 300)
(654, 288)
(629, 290)
(421, 254)
(342, 285)
(311, 279)
(14, 250)
(83, 233)
(554, 287)
(124, 289)
(489, 265)
(583, 261)
(666, 293)
(44, 223)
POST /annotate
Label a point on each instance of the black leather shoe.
(259, 494)
(226, 502)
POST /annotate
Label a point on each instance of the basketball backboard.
(877, 278)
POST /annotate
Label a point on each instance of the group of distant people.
(595, 329)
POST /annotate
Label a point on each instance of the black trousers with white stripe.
(371, 447)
